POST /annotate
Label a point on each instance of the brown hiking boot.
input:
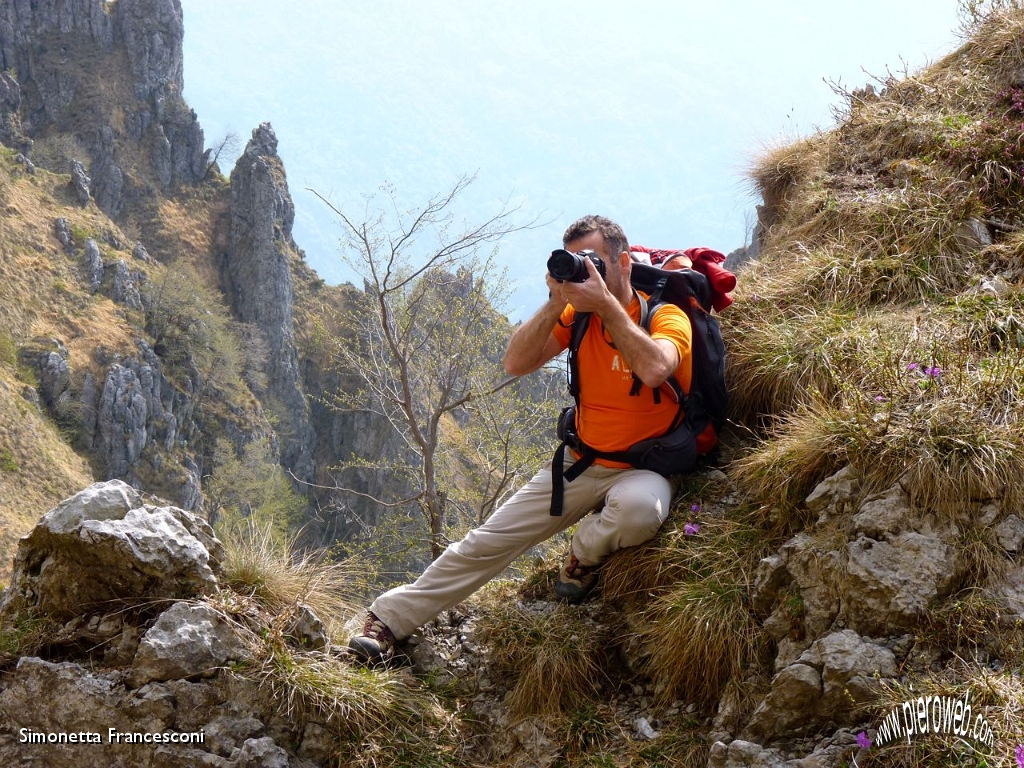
(575, 580)
(377, 642)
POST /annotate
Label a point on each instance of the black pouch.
(566, 429)
(672, 454)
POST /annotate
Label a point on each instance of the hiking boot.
(575, 580)
(377, 643)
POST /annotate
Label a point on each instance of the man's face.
(594, 241)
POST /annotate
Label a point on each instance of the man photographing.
(629, 505)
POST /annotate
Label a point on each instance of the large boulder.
(104, 545)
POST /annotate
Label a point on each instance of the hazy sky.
(646, 111)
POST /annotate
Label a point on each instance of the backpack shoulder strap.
(580, 323)
(647, 311)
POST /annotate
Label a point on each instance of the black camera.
(566, 266)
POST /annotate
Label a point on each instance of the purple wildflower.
(863, 741)
(912, 367)
(695, 507)
(691, 529)
(1020, 756)
(880, 398)
(934, 371)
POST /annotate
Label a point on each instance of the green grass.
(7, 461)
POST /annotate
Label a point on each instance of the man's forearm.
(653, 361)
(531, 344)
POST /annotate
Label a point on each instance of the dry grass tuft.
(701, 634)
(554, 658)
(370, 717)
(38, 469)
(781, 169)
(373, 717)
(258, 566)
(686, 594)
(973, 624)
(807, 446)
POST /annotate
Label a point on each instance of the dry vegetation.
(879, 328)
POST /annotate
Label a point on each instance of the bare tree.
(227, 147)
(431, 338)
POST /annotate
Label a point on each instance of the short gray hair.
(614, 237)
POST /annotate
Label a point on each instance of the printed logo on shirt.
(618, 364)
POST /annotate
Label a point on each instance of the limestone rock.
(124, 285)
(258, 276)
(1010, 534)
(139, 252)
(972, 235)
(186, 641)
(840, 489)
(794, 694)
(848, 666)
(815, 571)
(80, 183)
(306, 629)
(891, 583)
(47, 697)
(132, 419)
(261, 753)
(122, 420)
(62, 229)
(883, 514)
(100, 545)
(153, 31)
(10, 112)
(771, 575)
(824, 686)
(107, 177)
(1008, 592)
(226, 734)
(48, 360)
(93, 263)
(161, 153)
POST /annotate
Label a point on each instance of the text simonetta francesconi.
(112, 736)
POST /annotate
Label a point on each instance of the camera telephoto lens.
(570, 267)
(565, 265)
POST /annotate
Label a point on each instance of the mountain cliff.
(183, 284)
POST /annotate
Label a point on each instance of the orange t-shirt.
(608, 418)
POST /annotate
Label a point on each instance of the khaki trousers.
(631, 505)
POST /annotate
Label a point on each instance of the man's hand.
(555, 294)
(592, 295)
